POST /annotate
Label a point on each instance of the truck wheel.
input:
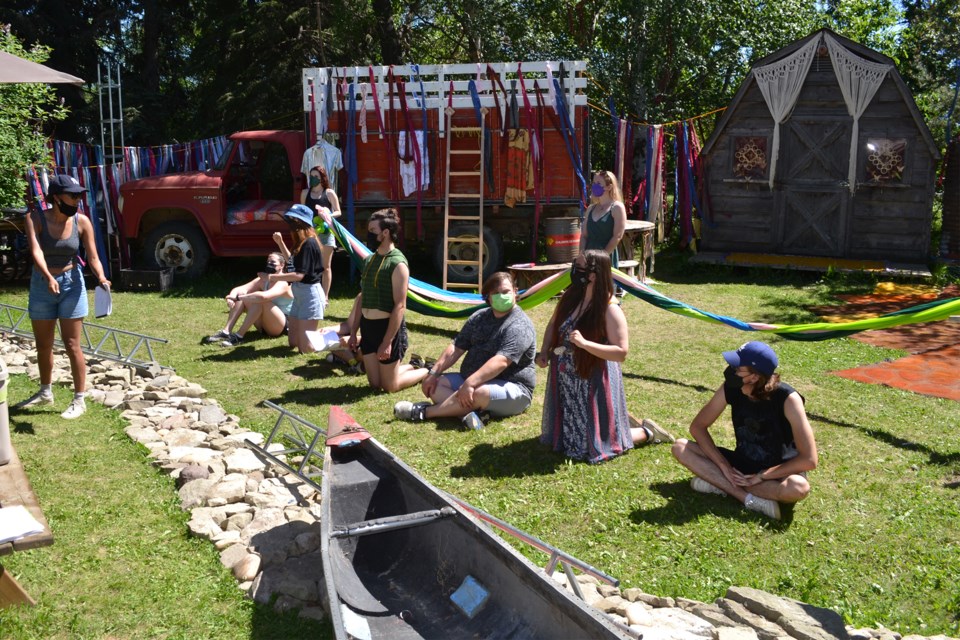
(492, 253)
(179, 245)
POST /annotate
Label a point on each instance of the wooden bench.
(629, 267)
(15, 490)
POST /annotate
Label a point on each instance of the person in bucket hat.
(775, 445)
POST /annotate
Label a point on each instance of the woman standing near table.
(605, 219)
(57, 291)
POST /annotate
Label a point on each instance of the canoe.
(402, 559)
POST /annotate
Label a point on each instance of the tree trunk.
(390, 47)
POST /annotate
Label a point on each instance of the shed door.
(813, 203)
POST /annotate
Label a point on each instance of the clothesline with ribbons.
(426, 299)
(87, 164)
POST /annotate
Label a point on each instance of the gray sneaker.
(75, 409)
(700, 485)
(657, 433)
(769, 508)
(217, 337)
(37, 399)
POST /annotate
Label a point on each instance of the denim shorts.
(327, 239)
(70, 303)
(506, 398)
(308, 301)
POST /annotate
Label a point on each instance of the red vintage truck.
(369, 114)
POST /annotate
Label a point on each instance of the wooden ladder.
(449, 216)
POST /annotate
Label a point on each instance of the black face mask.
(68, 209)
(731, 379)
(579, 276)
(373, 240)
(274, 268)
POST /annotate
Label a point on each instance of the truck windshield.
(221, 163)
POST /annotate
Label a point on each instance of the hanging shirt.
(323, 154)
(408, 170)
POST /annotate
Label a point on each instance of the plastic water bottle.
(6, 449)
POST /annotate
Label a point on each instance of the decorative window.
(885, 159)
(750, 157)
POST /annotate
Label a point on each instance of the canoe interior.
(401, 581)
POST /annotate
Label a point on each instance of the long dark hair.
(324, 179)
(592, 322)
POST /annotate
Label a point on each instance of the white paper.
(102, 302)
(323, 340)
(16, 522)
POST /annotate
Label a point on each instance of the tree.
(26, 110)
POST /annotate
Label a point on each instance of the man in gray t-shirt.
(497, 375)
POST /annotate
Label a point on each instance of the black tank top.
(312, 202)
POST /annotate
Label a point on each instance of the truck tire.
(492, 253)
(179, 245)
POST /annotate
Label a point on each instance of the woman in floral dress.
(585, 408)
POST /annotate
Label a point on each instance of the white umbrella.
(16, 69)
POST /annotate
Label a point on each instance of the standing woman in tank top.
(56, 287)
(606, 218)
(319, 194)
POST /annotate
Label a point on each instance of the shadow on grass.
(345, 394)
(517, 459)
(18, 426)
(934, 457)
(677, 383)
(431, 330)
(247, 352)
(684, 505)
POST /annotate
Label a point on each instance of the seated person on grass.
(266, 305)
(497, 375)
(775, 445)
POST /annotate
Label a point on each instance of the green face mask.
(501, 302)
(314, 181)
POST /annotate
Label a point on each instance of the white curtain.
(859, 81)
(780, 84)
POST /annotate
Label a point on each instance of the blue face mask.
(598, 189)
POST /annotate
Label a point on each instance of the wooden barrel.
(563, 239)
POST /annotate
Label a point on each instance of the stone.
(609, 604)
(194, 494)
(607, 590)
(190, 473)
(264, 520)
(638, 614)
(712, 614)
(229, 490)
(137, 405)
(237, 522)
(158, 383)
(800, 620)
(203, 527)
(313, 613)
(307, 542)
(590, 594)
(676, 618)
(113, 399)
(656, 601)
(142, 435)
(247, 568)
(766, 630)
(184, 438)
(230, 556)
(736, 633)
(247, 436)
(632, 594)
(212, 414)
(199, 455)
(225, 539)
(242, 461)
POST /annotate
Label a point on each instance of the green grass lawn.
(877, 540)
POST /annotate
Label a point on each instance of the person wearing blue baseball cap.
(305, 278)
(775, 447)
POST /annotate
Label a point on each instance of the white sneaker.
(769, 508)
(37, 399)
(75, 409)
(700, 485)
(412, 411)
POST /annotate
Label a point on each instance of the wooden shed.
(822, 152)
